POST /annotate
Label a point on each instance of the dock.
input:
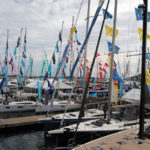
(16, 125)
(124, 140)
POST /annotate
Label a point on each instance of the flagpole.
(19, 58)
(144, 7)
(112, 61)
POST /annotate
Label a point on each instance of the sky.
(43, 20)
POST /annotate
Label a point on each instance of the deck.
(125, 140)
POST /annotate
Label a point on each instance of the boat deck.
(125, 140)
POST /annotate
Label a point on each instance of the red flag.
(109, 54)
(100, 69)
(100, 73)
(106, 64)
(69, 50)
(74, 41)
(87, 61)
(81, 65)
(104, 70)
(98, 54)
(100, 64)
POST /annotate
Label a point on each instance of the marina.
(74, 75)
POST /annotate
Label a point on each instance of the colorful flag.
(57, 47)
(15, 53)
(109, 31)
(60, 36)
(141, 34)
(53, 58)
(39, 91)
(108, 15)
(116, 48)
(22, 63)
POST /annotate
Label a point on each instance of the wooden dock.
(125, 140)
(22, 123)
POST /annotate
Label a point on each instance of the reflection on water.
(26, 141)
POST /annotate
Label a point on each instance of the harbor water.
(25, 141)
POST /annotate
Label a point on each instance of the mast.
(144, 7)
(112, 61)
(85, 51)
(72, 57)
(19, 58)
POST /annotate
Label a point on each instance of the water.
(26, 141)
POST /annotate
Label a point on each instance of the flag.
(93, 94)
(22, 63)
(46, 76)
(106, 64)
(139, 14)
(63, 72)
(5, 81)
(116, 76)
(21, 73)
(78, 43)
(121, 89)
(53, 58)
(141, 34)
(87, 37)
(49, 70)
(62, 79)
(108, 15)
(148, 56)
(20, 79)
(98, 54)
(116, 48)
(60, 36)
(3, 70)
(18, 42)
(24, 55)
(51, 106)
(15, 53)
(57, 47)
(39, 91)
(109, 31)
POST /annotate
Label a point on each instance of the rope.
(78, 13)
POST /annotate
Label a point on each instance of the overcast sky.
(43, 20)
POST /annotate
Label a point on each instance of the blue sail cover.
(86, 38)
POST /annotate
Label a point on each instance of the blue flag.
(49, 70)
(62, 79)
(5, 82)
(116, 49)
(116, 76)
(15, 53)
(57, 47)
(108, 15)
(22, 63)
(3, 70)
(20, 79)
(139, 14)
(121, 89)
(148, 56)
(39, 91)
(86, 39)
(1, 83)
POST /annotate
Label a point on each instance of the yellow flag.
(147, 77)
(141, 34)
(73, 29)
(109, 31)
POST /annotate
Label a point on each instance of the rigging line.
(86, 88)
(78, 13)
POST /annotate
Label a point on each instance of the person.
(105, 108)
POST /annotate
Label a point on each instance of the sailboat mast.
(142, 102)
(112, 61)
(19, 58)
(85, 51)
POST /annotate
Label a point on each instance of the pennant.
(53, 58)
(20, 79)
(18, 42)
(60, 37)
(46, 76)
(62, 79)
(3, 70)
(78, 43)
(108, 15)
(57, 47)
(21, 71)
(22, 63)
(104, 70)
(73, 29)
(141, 34)
(106, 64)
(139, 14)
(116, 48)
(49, 70)
(5, 81)
(39, 91)
(109, 31)
(15, 53)
(98, 54)
(24, 55)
